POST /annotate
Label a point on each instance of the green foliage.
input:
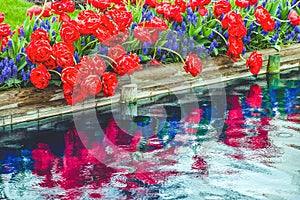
(15, 11)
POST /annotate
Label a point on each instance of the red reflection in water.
(44, 161)
(200, 164)
(254, 96)
(79, 168)
(294, 118)
(243, 133)
(192, 118)
(76, 169)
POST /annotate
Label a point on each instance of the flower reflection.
(79, 168)
(192, 120)
(242, 130)
(76, 169)
(254, 96)
(200, 164)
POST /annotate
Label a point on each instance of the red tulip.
(64, 17)
(127, 64)
(242, 3)
(88, 21)
(40, 77)
(294, 18)
(202, 11)
(38, 51)
(252, 2)
(37, 10)
(235, 48)
(264, 18)
(1, 17)
(154, 62)
(92, 84)
(142, 33)
(254, 63)
(50, 63)
(232, 19)
(122, 18)
(40, 34)
(69, 76)
(91, 66)
(158, 24)
(193, 64)
(198, 3)
(4, 30)
(221, 7)
(63, 53)
(116, 52)
(69, 32)
(109, 83)
(151, 3)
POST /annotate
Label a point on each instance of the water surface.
(166, 151)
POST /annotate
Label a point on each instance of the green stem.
(253, 19)
(154, 53)
(243, 58)
(220, 36)
(43, 10)
(88, 45)
(295, 5)
(281, 20)
(170, 50)
(130, 42)
(250, 20)
(54, 71)
(216, 21)
(1, 38)
(107, 57)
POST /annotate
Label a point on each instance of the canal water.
(164, 149)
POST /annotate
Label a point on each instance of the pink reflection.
(241, 132)
(200, 165)
(76, 169)
(192, 121)
(254, 96)
(80, 169)
(118, 138)
(44, 161)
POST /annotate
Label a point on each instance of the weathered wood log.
(28, 104)
(273, 64)
(128, 93)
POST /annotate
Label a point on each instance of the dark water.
(168, 150)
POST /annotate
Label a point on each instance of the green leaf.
(206, 32)
(197, 31)
(268, 6)
(277, 47)
(22, 66)
(55, 82)
(298, 10)
(203, 41)
(215, 51)
(213, 24)
(3, 54)
(145, 58)
(12, 81)
(191, 30)
(81, 7)
(274, 7)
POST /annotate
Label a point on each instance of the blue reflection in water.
(155, 157)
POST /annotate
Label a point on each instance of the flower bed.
(88, 52)
(28, 104)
